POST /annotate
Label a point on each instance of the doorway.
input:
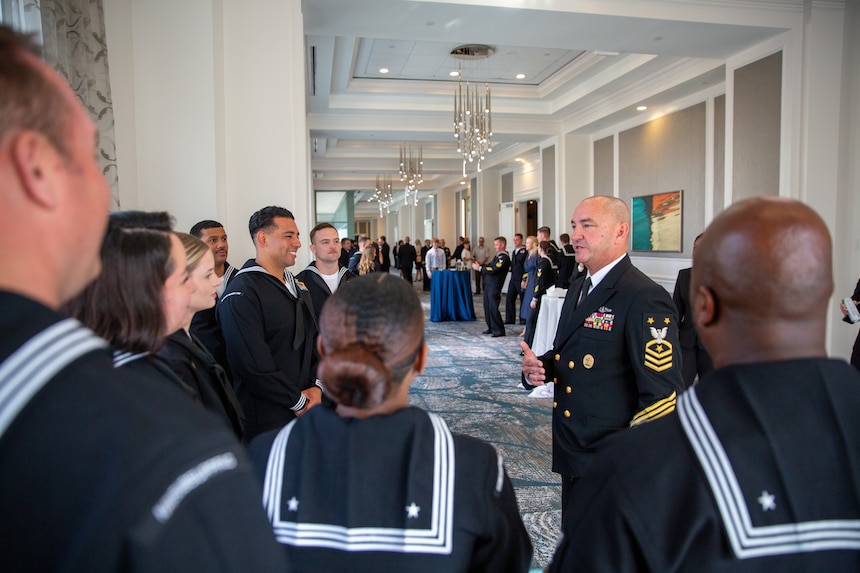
(531, 217)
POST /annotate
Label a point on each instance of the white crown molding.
(671, 75)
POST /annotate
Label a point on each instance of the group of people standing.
(133, 373)
(121, 432)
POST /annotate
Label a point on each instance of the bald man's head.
(600, 227)
(766, 263)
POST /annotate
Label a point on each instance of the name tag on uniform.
(600, 321)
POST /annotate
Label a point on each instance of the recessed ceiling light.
(521, 76)
(462, 182)
(519, 159)
(383, 70)
(454, 74)
(642, 108)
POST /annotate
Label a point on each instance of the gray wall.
(507, 187)
(548, 206)
(756, 140)
(667, 154)
(604, 159)
(719, 154)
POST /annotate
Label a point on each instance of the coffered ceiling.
(586, 65)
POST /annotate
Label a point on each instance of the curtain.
(23, 15)
(72, 33)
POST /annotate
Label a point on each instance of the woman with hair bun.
(375, 484)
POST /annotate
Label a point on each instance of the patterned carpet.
(471, 380)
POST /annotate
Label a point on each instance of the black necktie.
(586, 286)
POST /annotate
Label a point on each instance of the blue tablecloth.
(451, 296)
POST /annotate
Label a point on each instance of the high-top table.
(451, 296)
(547, 323)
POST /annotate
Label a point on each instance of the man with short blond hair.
(323, 276)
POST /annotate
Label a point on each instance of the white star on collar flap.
(767, 501)
(412, 511)
(293, 504)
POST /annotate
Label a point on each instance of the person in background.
(530, 279)
(267, 317)
(758, 468)
(434, 261)
(205, 325)
(362, 242)
(447, 252)
(695, 360)
(615, 360)
(481, 254)
(345, 252)
(855, 353)
(544, 278)
(567, 267)
(466, 253)
(425, 285)
(515, 287)
(406, 259)
(419, 260)
(186, 355)
(383, 253)
(458, 250)
(445, 503)
(545, 234)
(324, 275)
(494, 274)
(213, 234)
(369, 262)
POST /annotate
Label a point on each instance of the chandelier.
(473, 116)
(383, 194)
(411, 169)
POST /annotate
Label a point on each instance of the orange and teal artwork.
(657, 222)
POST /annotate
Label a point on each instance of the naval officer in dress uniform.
(759, 467)
(616, 359)
(494, 274)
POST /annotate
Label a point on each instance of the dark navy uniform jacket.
(271, 346)
(495, 271)
(758, 470)
(107, 470)
(615, 362)
(396, 492)
(317, 286)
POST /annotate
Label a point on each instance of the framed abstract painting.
(658, 222)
